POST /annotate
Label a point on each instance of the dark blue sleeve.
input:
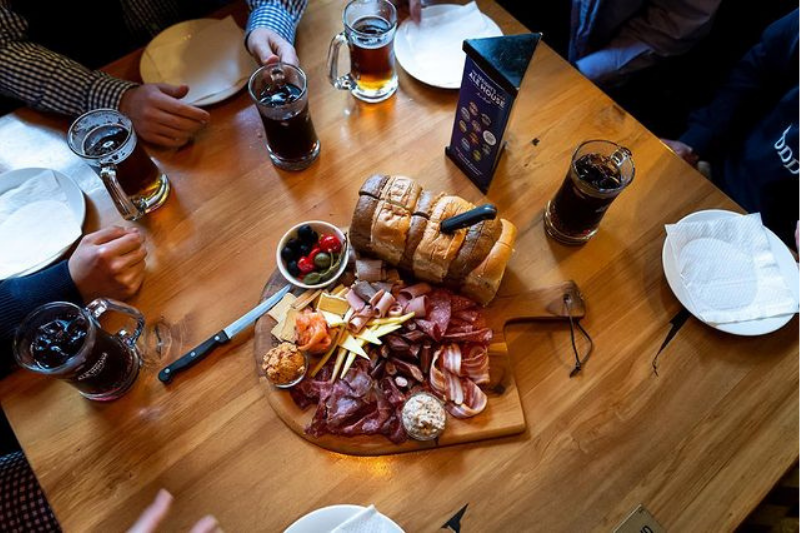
(755, 82)
(20, 296)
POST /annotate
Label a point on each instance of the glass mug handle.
(128, 210)
(343, 83)
(98, 307)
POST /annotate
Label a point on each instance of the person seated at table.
(749, 132)
(48, 51)
(106, 263)
(612, 39)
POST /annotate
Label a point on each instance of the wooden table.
(699, 445)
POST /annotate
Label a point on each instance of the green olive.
(322, 260)
(312, 278)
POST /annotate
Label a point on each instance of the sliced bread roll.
(477, 244)
(482, 283)
(419, 219)
(368, 201)
(436, 250)
(392, 219)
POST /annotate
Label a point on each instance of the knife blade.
(222, 337)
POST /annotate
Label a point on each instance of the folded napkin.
(729, 271)
(435, 43)
(210, 61)
(42, 186)
(367, 521)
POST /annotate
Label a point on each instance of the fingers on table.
(207, 524)
(152, 516)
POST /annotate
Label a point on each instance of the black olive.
(288, 254)
(291, 266)
(307, 234)
(304, 249)
(294, 244)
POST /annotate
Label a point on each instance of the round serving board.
(503, 415)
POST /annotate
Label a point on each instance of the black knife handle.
(197, 354)
(468, 218)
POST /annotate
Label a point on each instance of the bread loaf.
(397, 221)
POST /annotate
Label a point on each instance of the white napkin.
(367, 521)
(211, 61)
(435, 43)
(729, 271)
(42, 186)
(34, 234)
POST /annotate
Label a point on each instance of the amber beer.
(369, 28)
(106, 140)
(371, 59)
(137, 174)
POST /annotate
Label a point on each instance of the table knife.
(204, 349)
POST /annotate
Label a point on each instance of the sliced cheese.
(385, 329)
(279, 311)
(340, 290)
(288, 332)
(338, 365)
(305, 299)
(350, 358)
(332, 304)
(332, 319)
(391, 320)
(351, 344)
(369, 335)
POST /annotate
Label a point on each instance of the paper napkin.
(210, 61)
(728, 269)
(367, 521)
(435, 43)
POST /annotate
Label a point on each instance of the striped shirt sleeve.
(282, 16)
(46, 80)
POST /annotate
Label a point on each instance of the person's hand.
(267, 47)
(109, 263)
(159, 116)
(152, 517)
(683, 150)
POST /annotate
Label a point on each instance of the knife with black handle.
(468, 218)
(222, 337)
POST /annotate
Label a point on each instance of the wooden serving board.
(503, 415)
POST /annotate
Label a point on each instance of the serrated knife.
(204, 349)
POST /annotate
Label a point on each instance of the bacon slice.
(451, 359)
(475, 364)
(475, 401)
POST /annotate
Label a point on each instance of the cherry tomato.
(305, 265)
(313, 253)
(330, 243)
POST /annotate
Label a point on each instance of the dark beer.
(580, 203)
(290, 137)
(371, 56)
(137, 174)
(108, 365)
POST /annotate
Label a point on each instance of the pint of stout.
(106, 140)
(369, 31)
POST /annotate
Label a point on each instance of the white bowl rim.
(292, 231)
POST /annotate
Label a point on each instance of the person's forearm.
(282, 16)
(51, 82)
(20, 296)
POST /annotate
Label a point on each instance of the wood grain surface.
(699, 445)
(503, 415)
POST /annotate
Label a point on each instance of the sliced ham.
(418, 306)
(354, 300)
(364, 290)
(418, 289)
(369, 269)
(384, 304)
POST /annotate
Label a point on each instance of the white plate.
(327, 518)
(783, 256)
(75, 202)
(148, 67)
(403, 50)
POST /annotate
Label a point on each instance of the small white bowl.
(321, 228)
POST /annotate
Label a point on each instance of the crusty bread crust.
(482, 283)
(392, 219)
(477, 244)
(419, 219)
(436, 249)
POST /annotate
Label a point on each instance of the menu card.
(490, 83)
